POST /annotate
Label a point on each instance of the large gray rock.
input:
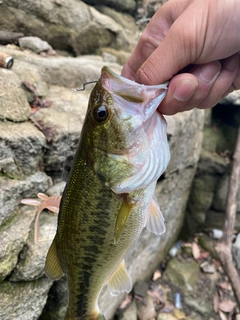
(31, 261)
(13, 237)
(23, 300)
(21, 148)
(13, 100)
(71, 26)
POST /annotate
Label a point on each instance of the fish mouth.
(131, 98)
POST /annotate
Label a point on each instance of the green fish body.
(109, 197)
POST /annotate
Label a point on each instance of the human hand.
(196, 44)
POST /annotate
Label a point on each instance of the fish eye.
(100, 113)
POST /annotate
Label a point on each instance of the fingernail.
(184, 90)
(209, 71)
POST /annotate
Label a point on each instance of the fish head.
(122, 127)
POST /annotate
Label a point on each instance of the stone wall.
(207, 202)
(37, 148)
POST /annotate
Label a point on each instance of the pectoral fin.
(155, 220)
(122, 219)
(52, 266)
(120, 280)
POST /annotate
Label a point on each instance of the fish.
(109, 197)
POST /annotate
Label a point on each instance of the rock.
(72, 27)
(211, 163)
(180, 157)
(30, 74)
(7, 37)
(200, 199)
(207, 118)
(21, 148)
(121, 55)
(140, 289)
(62, 124)
(146, 9)
(58, 71)
(210, 139)
(23, 300)
(127, 5)
(214, 219)
(13, 101)
(34, 43)
(194, 316)
(146, 309)
(125, 20)
(57, 301)
(31, 261)
(220, 196)
(182, 275)
(166, 316)
(13, 237)
(56, 189)
(236, 252)
(13, 191)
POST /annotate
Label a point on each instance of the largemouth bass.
(109, 197)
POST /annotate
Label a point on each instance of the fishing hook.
(83, 88)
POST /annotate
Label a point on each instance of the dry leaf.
(157, 274)
(195, 250)
(222, 316)
(225, 286)
(227, 305)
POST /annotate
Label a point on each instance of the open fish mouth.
(131, 98)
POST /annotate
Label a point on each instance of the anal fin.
(53, 269)
(120, 280)
(155, 220)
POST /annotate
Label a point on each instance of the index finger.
(152, 36)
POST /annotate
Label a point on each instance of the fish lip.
(107, 70)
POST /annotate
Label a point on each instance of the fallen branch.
(224, 247)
